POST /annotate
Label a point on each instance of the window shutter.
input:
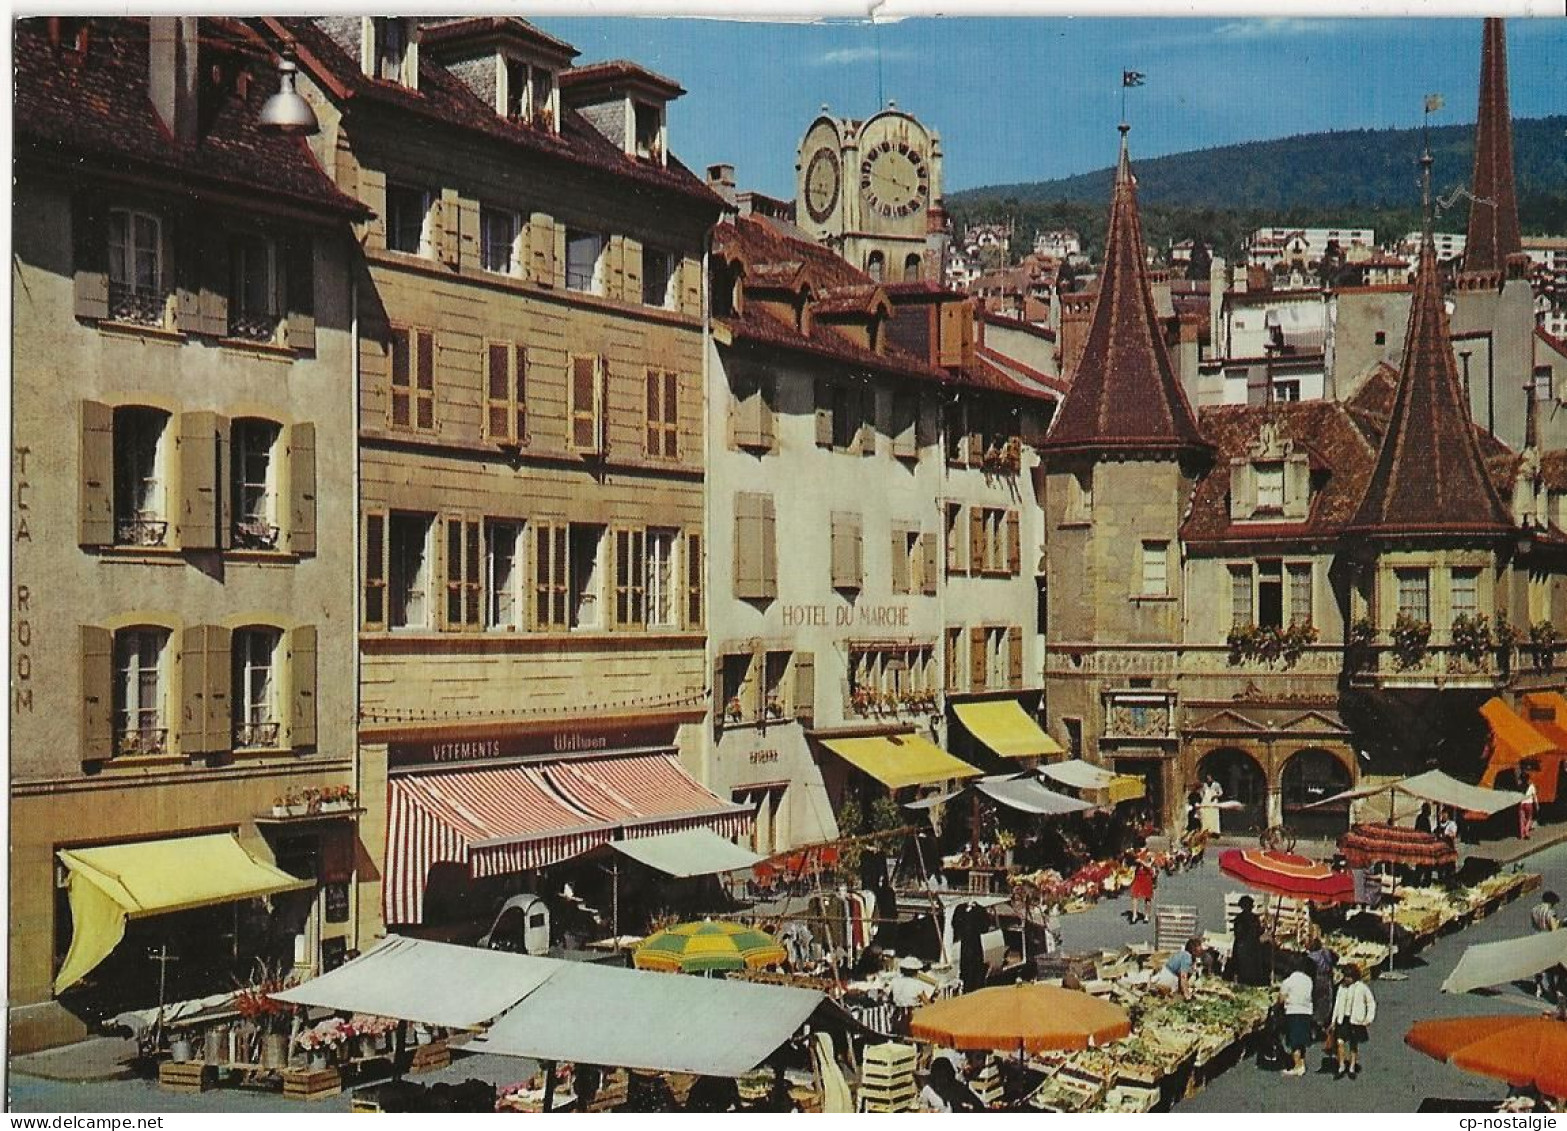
(220, 677)
(976, 439)
(976, 540)
(497, 381)
(541, 249)
(473, 584)
(805, 687)
(188, 275)
(302, 488)
(200, 479)
(615, 270)
(769, 549)
(601, 405)
(765, 428)
(695, 571)
(467, 234)
(520, 376)
(747, 565)
(905, 410)
(97, 660)
(302, 677)
(372, 193)
(671, 414)
(1014, 549)
(1015, 657)
(299, 277)
(719, 705)
(633, 269)
(373, 569)
(655, 415)
(744, 423)
(839, 548)
(857, 530)
(691, 287)
(558, 255)
(424, 392)
(400, 369)
(620, 564)
(928, 577)
(865, 437)
(583, 380)
(823, 414)
(901, 582)
(224, 460)
(194, 685)
(211, 315)
(96, 507)
(977, 659)
(447, 219)
(90, 251)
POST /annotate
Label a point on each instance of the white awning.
(1027, 795)
(1491, 964)
(690, 852)
(459, 987)
(1078, 774)
(1437, 787)
(658, 1022)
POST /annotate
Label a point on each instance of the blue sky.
(1038, 98)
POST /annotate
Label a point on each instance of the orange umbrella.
(1023, 1016)
(1522, 1049)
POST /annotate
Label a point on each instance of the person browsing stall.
(1176, 974)
(1295, 996)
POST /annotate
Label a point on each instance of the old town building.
(183, 539)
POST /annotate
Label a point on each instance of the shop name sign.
(874, 616)
(581, 739)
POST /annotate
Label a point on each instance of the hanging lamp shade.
(286, 112)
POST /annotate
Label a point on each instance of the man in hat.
(908, 988)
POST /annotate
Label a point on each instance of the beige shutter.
(957, 546)
(865, 436)
(520, 391)
(90, 251)
(805, 687)
(95, 508)
(220, 678)
(977, 659)
(1014, 547)
(928, 555)
(541, 249)
(618, 569)
(695, 571)
(719, 704)
(373, 551)
(615, 270)
(744, 423)
(194, 685)
(976, 439)
(769, 553)
(823, 414)
(302, 488)
(558, 255)
(448, 572)
(905, 411)
(302, 679)
(631, 261)
(857, 531)
(467, 232)
(446, 220)
(839, 546)
(97, 664)
(498, 391)
(424, 380)
(1015, 657)
(201, 479)
(400, 368)
(299, 276)
(976, 540)
(901, 582)
(765, 427)
(372, 185)
(747, 560)
(655, 414)
(691, 287)
(584, 378)
(207, 310)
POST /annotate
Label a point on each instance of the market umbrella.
(1026, 1016)
(1491, 964)
(1522, 1049)
(1283, 873)
(1365, 845)
(709, 945)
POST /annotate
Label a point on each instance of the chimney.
(721, 179)
(171, 73)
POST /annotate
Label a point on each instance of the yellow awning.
(1127, 787)
(116, 882)
(897, 760)
(1005, 727)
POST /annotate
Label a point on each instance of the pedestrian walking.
(1543, 917)
(1143, 883)
(1324, 960)
(1212, 794)
(1527, 807)
(1295, 997)
(1354, 1009)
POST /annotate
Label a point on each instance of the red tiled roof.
(1553, 470)
(479, 27)
(995, 318)
(1493, 214)
(1000, 374)
(1124, 395)
(1430, 478)
(443, 98)
(98, 109)
(619, 70)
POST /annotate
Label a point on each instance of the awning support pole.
(549, 1085)
(399, 1049)
(614, 905)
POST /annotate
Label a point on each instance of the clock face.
(822, 179)
(894, 178)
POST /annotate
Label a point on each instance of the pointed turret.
(1430, 480)
(1493, 214)
(1124, 395)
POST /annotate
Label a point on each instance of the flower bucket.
(213, 1046)
(179, 1050)
(317, 1060)
(274, 1050)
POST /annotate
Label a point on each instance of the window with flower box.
(257, 722)
(139, 288)
(255, 296)
(141, 691)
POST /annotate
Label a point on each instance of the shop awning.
(1027, 795)
(1512, 739)
(1491, 964)
(460, 987)
(1127, 787)
(513, 818)
(898, 760)
(1078, 774)
(1436, 787)
(595, 1014)
(1004, 727)
(690, 852)
(112, 883)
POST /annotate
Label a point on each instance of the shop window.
(256, 716)
(138, 278)
(254, 484)
(141, 691)
(499, 231)
(657, 273)
(409, 213)
(255, 307)
(584, 257)
(503, 581)
(409, 572)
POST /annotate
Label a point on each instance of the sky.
(1027, 99)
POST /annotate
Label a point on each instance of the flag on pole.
(1434, 103)
(1132, 78)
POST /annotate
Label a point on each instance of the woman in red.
(1142, 889)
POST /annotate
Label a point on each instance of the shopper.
(1543, 917)
(1527, 807)
(1323, 960)
(1143, 882)
(1295, 997)
(1176, 974)
(1354, 1009)
(1248, 957)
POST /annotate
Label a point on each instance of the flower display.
(325, 1036)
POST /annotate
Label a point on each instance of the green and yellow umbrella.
(699, 948)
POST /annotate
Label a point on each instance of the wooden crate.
(901, 1100)
(430, 1057)
(187, 1077)
(311, 1083)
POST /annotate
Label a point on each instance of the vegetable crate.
(887, 1078)
(311, 1083)
(430, 1057)
(186, 1077)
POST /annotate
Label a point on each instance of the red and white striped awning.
(513, 818)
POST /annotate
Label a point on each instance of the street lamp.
(286, 112)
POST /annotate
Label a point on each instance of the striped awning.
(514, 818)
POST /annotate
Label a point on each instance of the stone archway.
(1241, 774)
(1311, 774)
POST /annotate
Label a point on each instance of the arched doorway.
(1243, 781)
(1311, 775)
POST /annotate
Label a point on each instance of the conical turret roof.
(1429, 482)
(1124, 395)
(1493, 214)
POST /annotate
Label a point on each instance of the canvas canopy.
(113, 883)
(1006, 729)
(1027, 795)
(1078, 774)
(1438, 788)
(1491, 964)
(657, 1022)
(458, 987)
(690, 852)
(898, 760)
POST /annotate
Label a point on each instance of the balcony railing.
(253, 534)
(144, 741)
(145, 306)
(253, 327)
(140, 531)
(257, 736)
(1385, 663)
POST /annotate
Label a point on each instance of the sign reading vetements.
(575, 736)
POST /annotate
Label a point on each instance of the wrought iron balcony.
(143, 741)
(144, 306)
(253, 327)
(140, 531)
(254, 534)
(257, 736)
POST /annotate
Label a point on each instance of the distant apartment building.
(1276, 248)
(1061, 243)
(1449, 245)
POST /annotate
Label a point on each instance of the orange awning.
(1521, 1049)
(1512, 739)
(1546, 712)
(1026, 1015)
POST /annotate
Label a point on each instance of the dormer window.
(390, 52)
(650, 132)
(1270, 486)
(528, 96)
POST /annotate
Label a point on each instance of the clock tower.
(868, 189)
